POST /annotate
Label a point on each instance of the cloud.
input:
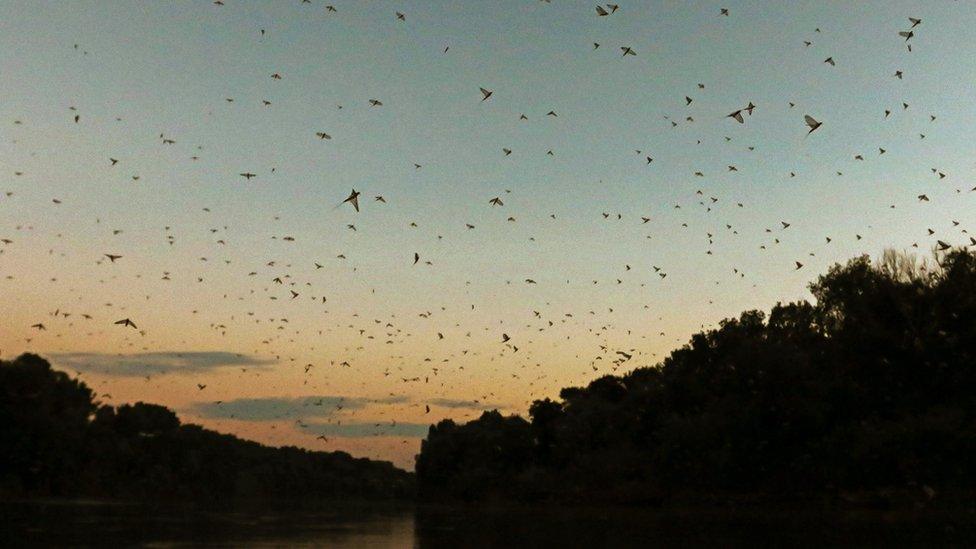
(141, 364)
(367, 429)
(311, 407)
(273, 408)
(466, 404)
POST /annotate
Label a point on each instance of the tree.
(55, 440)
(871, 386)
(44, 415)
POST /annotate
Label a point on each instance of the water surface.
(344, 525)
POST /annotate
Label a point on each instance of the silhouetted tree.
(872, 385)
(55, 440)
(43, 418)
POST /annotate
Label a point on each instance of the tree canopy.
(55, 440)
(872, 385)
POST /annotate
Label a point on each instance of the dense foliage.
(872, 386)
(55, 440)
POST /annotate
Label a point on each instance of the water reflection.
(616, 527)
(334, 524)
(344, 525)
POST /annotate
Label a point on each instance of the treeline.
(56, 440)
(870, 388)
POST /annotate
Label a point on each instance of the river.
(342, 525)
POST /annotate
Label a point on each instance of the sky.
(595, 249)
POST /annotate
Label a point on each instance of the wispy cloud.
(272, 408)
(141, 364)
(466, 404)
(365, 429)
